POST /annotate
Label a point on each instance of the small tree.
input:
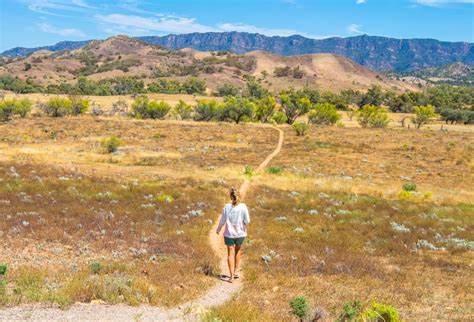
(26, 67)
(183, 110)
(6, 110)
(227, 90)
(279, 117)
(237, 109)
(294, 105)
(208, 110)
(373, 116)
(78, 105)
(157, 110)
(23, 107)
(424, 114)
(57, 107)
(265, 108)
(300, 128)
(324, 114)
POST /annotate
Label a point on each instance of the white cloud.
(439, 3)
(138, 25)
(47, 6)
(354, 29)
(142, 25)
(68, 32)
(361, 1)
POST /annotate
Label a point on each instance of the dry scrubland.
(329, 223)
(143, 213)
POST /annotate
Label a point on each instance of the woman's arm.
(221, 221)
(246, 215)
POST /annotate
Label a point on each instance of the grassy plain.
(79, 224)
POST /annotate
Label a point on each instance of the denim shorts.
(234, 241)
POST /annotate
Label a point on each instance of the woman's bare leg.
(237, 257)
(231, 261)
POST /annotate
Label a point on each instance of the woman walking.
(235, 217)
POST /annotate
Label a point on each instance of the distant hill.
(377, 53)
(123, 56)
(455, 74)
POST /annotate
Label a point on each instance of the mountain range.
(373, 52)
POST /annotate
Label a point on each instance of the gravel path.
(191, 311)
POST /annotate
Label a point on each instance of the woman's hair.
(234, 195)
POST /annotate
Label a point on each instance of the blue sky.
(31, 23)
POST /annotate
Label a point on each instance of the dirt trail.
(190, 311)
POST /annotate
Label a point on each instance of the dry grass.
(348, 248)
(341, 186)
(65, 204)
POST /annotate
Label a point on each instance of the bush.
(409, 187)
(423, 115)
(373, 116)
(95, 267)
(279, 118)
(237, 109)
(57, 107)
(350, 311)
(7, 109)
(111, 144)
(300, 306)
(158, 110)
(300, 128)
(265, 108)
(208, 110)
(273, 170)
(227, 90)
(183, 110)
(380, 312)
(324, 114)
(23, 107)
(3, 269)
(78, 105)
(248, 170)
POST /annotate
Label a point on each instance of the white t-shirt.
(235, 218)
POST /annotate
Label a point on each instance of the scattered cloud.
(67, 32)
(143, 25)
(49, 6)
(354, 29)
(440, 3)
(361, 1)
(139, 25)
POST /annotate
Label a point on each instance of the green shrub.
(95, 267)
(265, 108)
(22, 107)
(7, 109)
(380, 312)
(350, 311)
(183, 110)
(3, 269)
(140, 106)
(324, 114)
(409, 187)
(279, 118)
(208, 110)
(273, 170)
(78, 105)
(248, 170)
(300, 306)
(301, 128)
(111, 144)
(423, 115)
(158, 110)
(57, 107)
(237, 109)
(373, 116)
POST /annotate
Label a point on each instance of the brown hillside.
(124, 56)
